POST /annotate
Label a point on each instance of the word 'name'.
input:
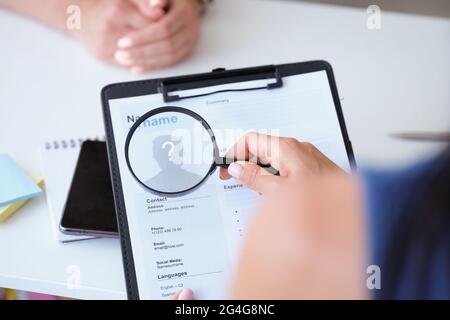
(154, 121)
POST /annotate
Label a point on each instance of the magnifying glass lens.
(171, 152)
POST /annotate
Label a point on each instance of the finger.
(153, 9)
(135, 55)
(163, 61)
(223, 174)
(256, 147)
(186, 294)
(124, 14)
(166, 27)
(175, 296)
(253, 176)
(252, 147)
(159, 3)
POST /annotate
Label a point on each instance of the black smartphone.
(89, 208)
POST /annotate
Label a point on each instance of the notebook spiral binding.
(70, 143)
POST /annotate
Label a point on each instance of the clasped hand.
(140, 35)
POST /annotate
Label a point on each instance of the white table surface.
(394, 79)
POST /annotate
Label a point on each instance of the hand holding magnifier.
(168, 166)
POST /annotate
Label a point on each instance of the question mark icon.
(172, 147)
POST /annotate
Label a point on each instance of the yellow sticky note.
(10, 294)
(8, 210)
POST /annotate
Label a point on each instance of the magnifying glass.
(171, 151)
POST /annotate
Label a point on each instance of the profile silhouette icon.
(168, 153)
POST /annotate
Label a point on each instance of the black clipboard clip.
(219, 77)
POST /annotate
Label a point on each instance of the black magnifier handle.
(225, 163)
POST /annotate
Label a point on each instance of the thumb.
(253, 176)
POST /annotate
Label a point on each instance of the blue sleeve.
(410, 245)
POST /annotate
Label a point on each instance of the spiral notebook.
(58, 162)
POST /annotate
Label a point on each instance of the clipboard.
(175, 89)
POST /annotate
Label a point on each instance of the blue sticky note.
(15, 184)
